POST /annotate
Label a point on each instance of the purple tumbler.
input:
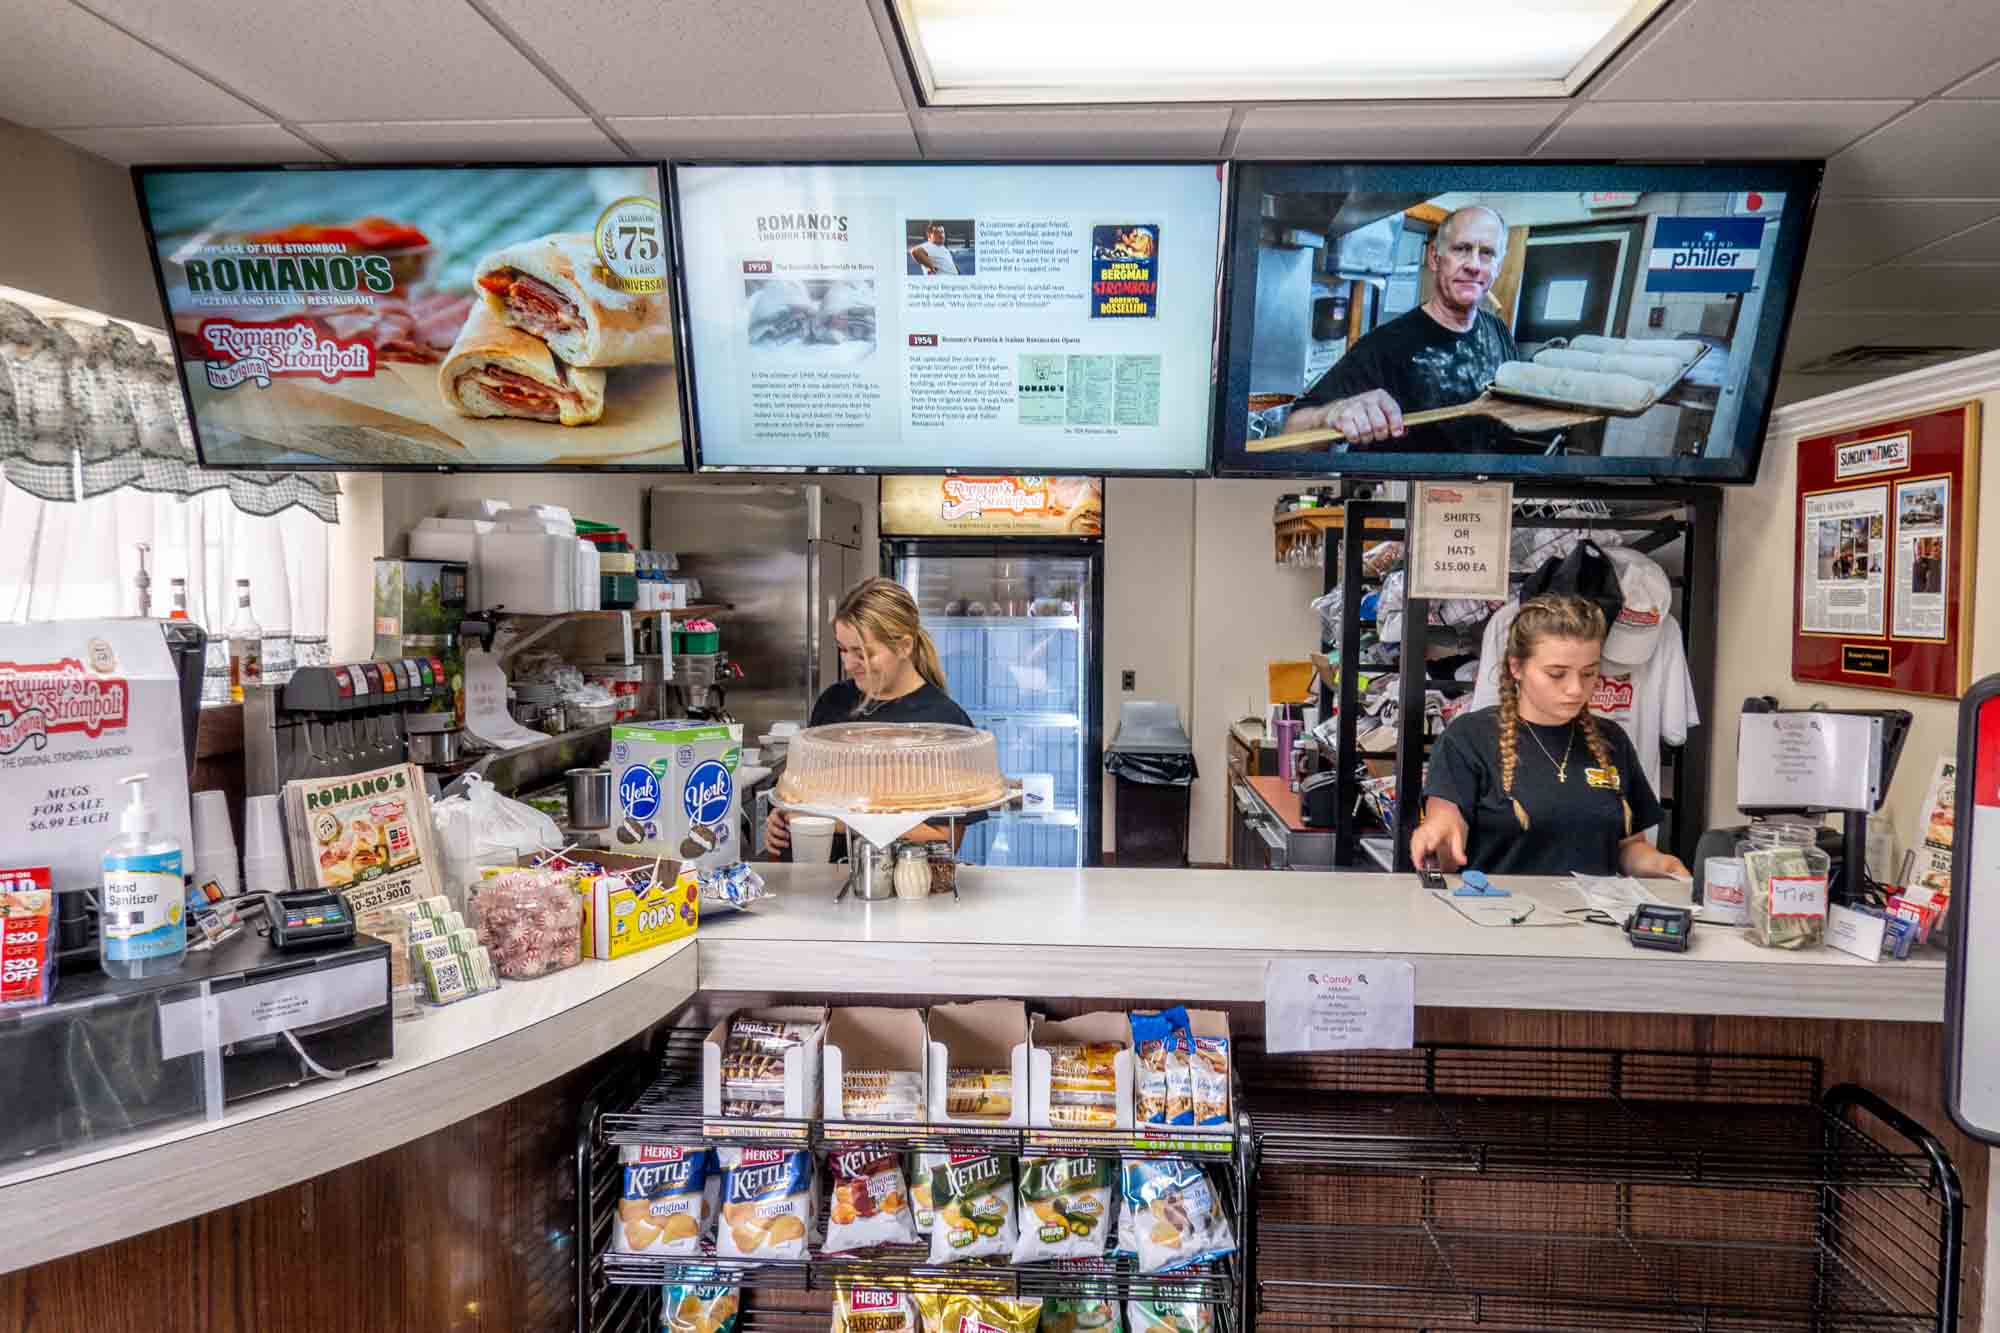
(1287, 737)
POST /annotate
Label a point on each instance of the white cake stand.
(880, 830)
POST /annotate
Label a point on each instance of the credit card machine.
(308, 919)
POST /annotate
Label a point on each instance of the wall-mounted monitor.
(1033, 318)
(375, 319)
(1526, 320)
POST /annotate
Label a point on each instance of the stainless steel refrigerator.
(781, 555)
(1019, 626)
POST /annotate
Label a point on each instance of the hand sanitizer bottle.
(141, 919)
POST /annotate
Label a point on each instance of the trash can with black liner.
(1153, 761)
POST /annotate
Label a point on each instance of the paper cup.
(812, 838)
(263, 831)
(214, 837)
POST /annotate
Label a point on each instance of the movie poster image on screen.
(1125, 271)
(1449, 320)
(510, 317)
(941, 247)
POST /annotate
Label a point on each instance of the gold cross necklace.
(1560, 765)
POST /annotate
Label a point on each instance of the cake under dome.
(887, 767)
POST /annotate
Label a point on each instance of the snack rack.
(1505, 1188)
(657, 1099)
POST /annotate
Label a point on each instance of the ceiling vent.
(1884, 357)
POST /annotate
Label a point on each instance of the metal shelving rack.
(1652, 517)
(668, 1110)
(1503, 1188)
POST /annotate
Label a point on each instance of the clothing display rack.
(1650, 519)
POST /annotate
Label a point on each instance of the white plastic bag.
(485, 828)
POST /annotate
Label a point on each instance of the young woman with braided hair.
(1536, 785)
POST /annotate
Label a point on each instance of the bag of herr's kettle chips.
(974, 1197)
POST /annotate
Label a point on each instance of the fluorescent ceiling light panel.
(988, 52)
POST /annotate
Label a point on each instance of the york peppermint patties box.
(677, 794)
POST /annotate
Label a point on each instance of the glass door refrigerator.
(1009, 575)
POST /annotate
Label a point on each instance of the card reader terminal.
(1660, 926)
(308, 919)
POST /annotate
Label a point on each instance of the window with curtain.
(97, 463)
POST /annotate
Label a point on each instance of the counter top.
(1279, 798)
(1206, 934)
(450, 1064)
(1110, 934)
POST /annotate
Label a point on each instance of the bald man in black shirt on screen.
(1443, 353)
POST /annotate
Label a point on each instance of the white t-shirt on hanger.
(1653, 701)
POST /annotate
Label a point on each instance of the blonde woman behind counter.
(893, 675)
(1536, 785)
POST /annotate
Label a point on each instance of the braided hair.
(1552, 615)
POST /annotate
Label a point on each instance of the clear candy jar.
(1784, 883)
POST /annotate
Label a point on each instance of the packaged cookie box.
(887, 1049)
(979, 1064)
(1096, 1094)
(675, 792)
(799, 1065)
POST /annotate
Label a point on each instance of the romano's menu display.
(506, 317)
(1025, 318)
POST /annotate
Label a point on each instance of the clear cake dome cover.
(888, 766)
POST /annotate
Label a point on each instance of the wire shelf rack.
(1506, 1188)
(667, 1109)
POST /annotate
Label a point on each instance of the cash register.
(108, 1057)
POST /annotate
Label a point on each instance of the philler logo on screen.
(263, 352)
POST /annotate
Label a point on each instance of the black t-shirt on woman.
(841, 702)
(1575, 825)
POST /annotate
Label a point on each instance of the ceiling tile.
(459, 140)
(1375, 130)
(66, 69)
(1984, 84)
(1785, 49)
(1860, 232)
(1981, 245)
(380, 59)
(749, 57)
(195, 143)
(1945, 291)
(1940, 149)
(1821, 275)
(1098, 132)
(1712, 129)
(1811, 337)
(769, 137)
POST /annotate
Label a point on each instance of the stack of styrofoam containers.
(528, 563)
(453, 539)
(589, 592)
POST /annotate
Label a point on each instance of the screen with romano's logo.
(420, 317)
(885, 317)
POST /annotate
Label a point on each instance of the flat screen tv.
(1020, 318)
(1516, 320)
(456, 318)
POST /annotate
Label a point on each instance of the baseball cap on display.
(1586, 572)
(1648, 598)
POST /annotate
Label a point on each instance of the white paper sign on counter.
(1855, 932)
(1339, 1004)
